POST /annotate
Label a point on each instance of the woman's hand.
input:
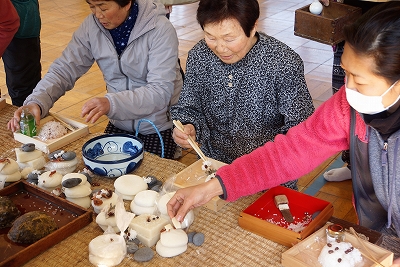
(95, 108)
(33, 108)
(180, 137)
(191, 197)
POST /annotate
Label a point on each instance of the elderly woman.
(364, 116)
(136, 48)
(242, 87)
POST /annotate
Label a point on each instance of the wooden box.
(194, 175)
(263, 217)
(69, 217)
(54, 144)
(327, 27)
(305, 253)
(3, 103)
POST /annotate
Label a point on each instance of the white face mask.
(368, 104)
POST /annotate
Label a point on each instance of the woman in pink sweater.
(371, 60)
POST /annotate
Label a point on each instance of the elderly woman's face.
(109, 13)
(228, 40)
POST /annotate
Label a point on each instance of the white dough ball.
(105, 201)
(9, 166)
(162, 202)
(146, 198)
(9, 178)
(129, 185)
(168, 252)
(174, 238)
(77, 191)
(50, 179)
(316, 8)
(81, 201)
(138, 210)
(107, 250)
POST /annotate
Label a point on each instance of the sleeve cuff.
(224, 194)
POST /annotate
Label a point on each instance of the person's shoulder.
(271, 46)
(200, 49)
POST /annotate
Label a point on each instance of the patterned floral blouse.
(236, 108)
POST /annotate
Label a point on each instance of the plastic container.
(27, 123)
(334, 232)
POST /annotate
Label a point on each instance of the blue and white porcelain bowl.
(113, 155)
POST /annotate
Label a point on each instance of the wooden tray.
(54, 144)
(194, 175)
(68, 216)
(3, 103)
(305, 253)
(259, 216)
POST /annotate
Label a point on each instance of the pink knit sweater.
(295, 154)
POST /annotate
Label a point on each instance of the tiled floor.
(60, 18)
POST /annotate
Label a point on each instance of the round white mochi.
(75, 175)
(168, 252)
(107, 250)
(138, 210)
(174, 238)
(106, 201)
(129, 185)
(10, 167)
(101, 219)
(77, 191)
(81, 201)
(13, 177)
(162, 202)
(64, 167)
(146, 198)
(47, 180)
(188, 220)
(49, 189)
(26, 171)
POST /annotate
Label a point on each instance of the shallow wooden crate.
(327, 27)
(68, 216)
(194, 175)
(305, 253)
(256, 217)
(3, 103)
(54, 144)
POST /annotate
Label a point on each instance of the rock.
(88, 176)
(31, 227)
(198, 239)
(29, 147)
(131, 247)
(151, 180)
(143, 254)
(156, 188)
(8, 212)
(70, 155)
(71, 182)
(190, 237)
(52, 155)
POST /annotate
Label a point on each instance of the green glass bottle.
(27, 123)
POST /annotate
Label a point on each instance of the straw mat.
(226, 243)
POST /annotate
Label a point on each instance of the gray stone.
(143, 254)
(29, 147)
(70, 155)
(71, 182)
(198, 239)
(156, 188)
(51, 155)
(190, 237)
(89, 178)
(131, 247)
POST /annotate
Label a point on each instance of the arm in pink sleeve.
(290, 156)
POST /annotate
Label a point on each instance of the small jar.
(334, 232)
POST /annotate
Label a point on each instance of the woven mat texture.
(226, 243)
